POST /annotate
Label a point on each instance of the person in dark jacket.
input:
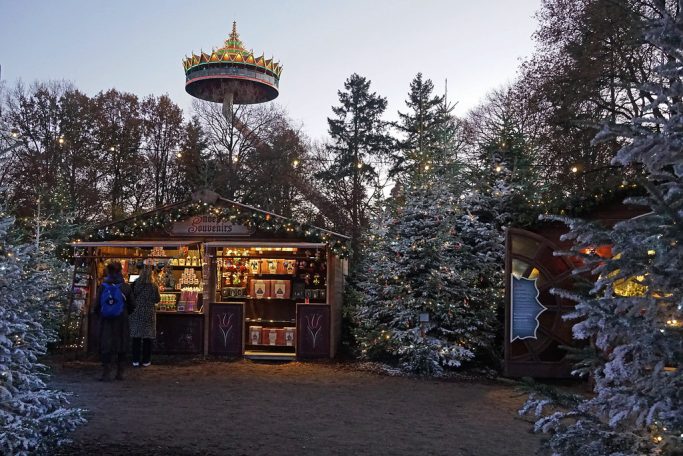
(143, 319)
(114, 331)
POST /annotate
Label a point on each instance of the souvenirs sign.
(208, 225)
(524, 309)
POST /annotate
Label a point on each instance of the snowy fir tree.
(429, 283)
(429, 256)
(33, 418)
(633, 313)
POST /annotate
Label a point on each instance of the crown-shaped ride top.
(233, 53)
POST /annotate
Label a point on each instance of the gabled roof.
(211, 203)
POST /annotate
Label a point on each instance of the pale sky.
(138, 45)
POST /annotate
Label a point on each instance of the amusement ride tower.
(232, 74)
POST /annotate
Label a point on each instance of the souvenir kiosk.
(234, 280)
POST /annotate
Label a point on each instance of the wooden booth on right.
(535, 330)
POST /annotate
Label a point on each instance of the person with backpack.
(143, 318)
(114, 303)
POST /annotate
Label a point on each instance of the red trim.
(231, 77)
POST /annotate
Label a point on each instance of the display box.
(269, 336)
(290, 335)
(298, 290)
(260, 289)
(269, 266)
(280, 289)
(286, 267)
(280, 337)
(254, 267)
(255, 335)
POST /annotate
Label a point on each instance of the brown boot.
(119, 370)
(106, 373)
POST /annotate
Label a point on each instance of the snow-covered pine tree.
(429, 258)
(634, 311)
(33, 418)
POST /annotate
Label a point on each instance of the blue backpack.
(112, 300)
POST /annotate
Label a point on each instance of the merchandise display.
(270, 282)
(178, 274)
(189, 297)
(168, 302)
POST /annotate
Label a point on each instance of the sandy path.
(246, 408)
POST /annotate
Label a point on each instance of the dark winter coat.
(143, 319)
(115, 332)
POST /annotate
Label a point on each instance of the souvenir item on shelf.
(255, 334)
(254, 266)
(189, 277)
(316, 279)
(280, 289)
(280, 336)
(272, 336)
(322, 294)
(289, 267)
(189, 299)
(298, 290)
(260, 289)
(289, 335)
(269, 266)
(269, 336)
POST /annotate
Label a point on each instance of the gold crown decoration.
(233, 53)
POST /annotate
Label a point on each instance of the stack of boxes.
(282, 337)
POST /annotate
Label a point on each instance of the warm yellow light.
(426, 167)
(499, 168)
(111, 149)
(359, 165)
(61, 140)
(651, 252)
(574, 169)
(15, 134)
(179, 155)
(295, 163)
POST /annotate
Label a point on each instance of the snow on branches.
(33, 418)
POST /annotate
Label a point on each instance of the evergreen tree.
(33, 418)
(506, 162)
(428, 127)
(429, 258)
(634, 310)
(358, 139)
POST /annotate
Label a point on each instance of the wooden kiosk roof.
(151, 228)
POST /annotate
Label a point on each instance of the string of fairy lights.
(252, 218)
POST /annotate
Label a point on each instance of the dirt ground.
(248, 408)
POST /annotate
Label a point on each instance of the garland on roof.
(261, 221)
